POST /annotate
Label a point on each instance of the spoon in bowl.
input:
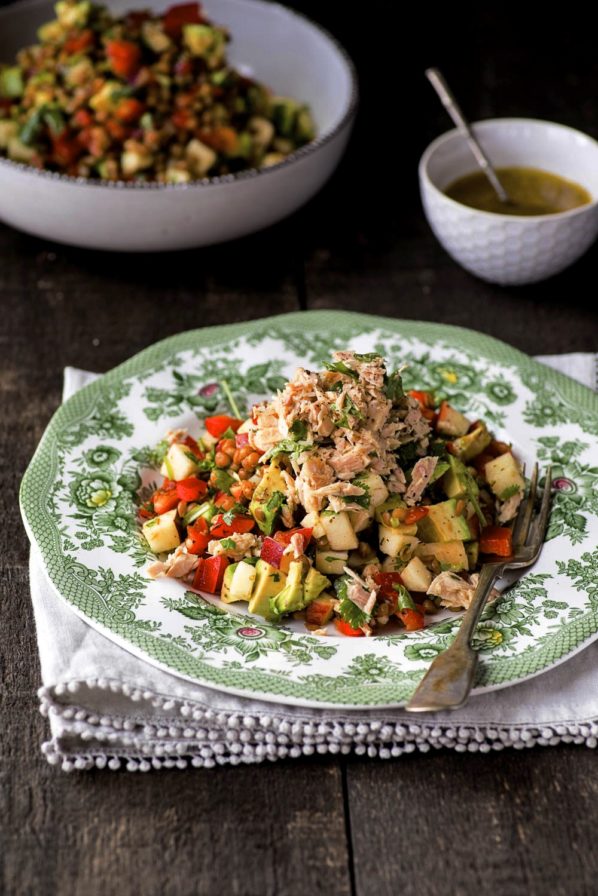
(449, 102)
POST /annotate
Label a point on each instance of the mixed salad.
(344, 499)
(141, 97)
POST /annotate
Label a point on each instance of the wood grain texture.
(511, 823)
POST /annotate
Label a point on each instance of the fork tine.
(524, 517)
(541, 522)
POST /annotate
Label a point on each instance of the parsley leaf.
(275, 501)
(229, 544)
(362, 500)
(368, 356)
(509, 492)
(286, 446)
(404, 599)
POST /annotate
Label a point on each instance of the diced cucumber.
(469, 446)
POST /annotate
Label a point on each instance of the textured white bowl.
(279, 47)
(503, 248)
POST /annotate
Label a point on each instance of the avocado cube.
(11, 83)
(161, 532)
(444, 523)
(292, 596)
(458, 480)
(314, 584)
(469, 446)
(268, 498)
(449, 554)
(284, 113)
(268, 583)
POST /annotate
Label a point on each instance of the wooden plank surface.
(514, 823)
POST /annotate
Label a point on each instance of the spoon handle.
(452, 107)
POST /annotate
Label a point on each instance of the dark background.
(511, 822)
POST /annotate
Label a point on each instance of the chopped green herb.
(223, 480)
(228, 434)
(340, 367)
(393, 388)
(349, 611)
(286, 446)
(404, 599)
(229, 544)
(275, 501)
(362, 500)
(513, 489)
(298, 430)
(231, 399)
(368, 356)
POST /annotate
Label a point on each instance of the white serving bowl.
(503, 248)
(279, 47)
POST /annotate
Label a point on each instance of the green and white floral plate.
(80, 492)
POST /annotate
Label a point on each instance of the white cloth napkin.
(107, 707)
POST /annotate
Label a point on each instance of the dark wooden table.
(508, 823)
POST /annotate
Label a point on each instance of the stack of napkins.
(107, 707)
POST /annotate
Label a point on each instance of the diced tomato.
(241, 439)
(210, 573)
(65, 148)
(414, 515)
(192, 444)
(177, 16)
(497, 540)
(191, 489)
(285, 537)
(425, 399)
(145, 513)
(218, 425)
(165, 498)
(183, 67)
(183, 119)
(129, 109)
(272, 552)
(117, 130)
(198, 537)
(386, 581)
(79, 42)
(346, 629)
(239, 525)
(83, 118)
(411, 619)
(221, 139)
(124, 57)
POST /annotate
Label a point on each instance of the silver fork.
(448, 681)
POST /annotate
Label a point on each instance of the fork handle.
(448, 681)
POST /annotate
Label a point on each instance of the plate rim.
(494, 349)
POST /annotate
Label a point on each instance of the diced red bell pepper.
(272, 552)
(129, 110)
(386, 582)
(65, 148)
(241, 439)
(411, 619)
(124, 57)
(346, 629)
(190, 442)
(210, 574)
(191, 489)
(218, 425)
(198, 536)
(78, 43)
(414, 515)
(285, 537)
(238, 525)
(145, 513)
(425, 399)
(497, 540)
(177, 16)
(165, 498)
(83, 118)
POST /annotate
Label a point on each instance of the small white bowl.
(503, 248)
(279, 47)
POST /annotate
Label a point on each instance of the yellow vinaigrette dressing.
(531, 192)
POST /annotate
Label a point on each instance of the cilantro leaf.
(229, 544)
(348, 611)
(275, 501)
(286, 446)
(509, 492)
(362, 500)
(368, 356)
